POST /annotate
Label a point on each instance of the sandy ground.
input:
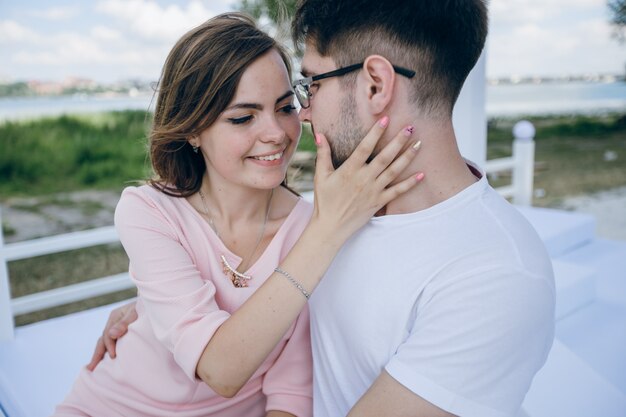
(28, 218)
(608, 208)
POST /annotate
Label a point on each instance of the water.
(556, 98)
(502, 100)
(31, 107)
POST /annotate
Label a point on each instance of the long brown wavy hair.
(199, 80)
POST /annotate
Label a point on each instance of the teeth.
(269, 157)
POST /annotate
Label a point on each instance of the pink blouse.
(183, 298)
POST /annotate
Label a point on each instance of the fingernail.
(417, 145)
(318, 140)
(384, 121)
(408, 131)
(419, 176)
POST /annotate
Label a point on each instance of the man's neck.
(446, 172)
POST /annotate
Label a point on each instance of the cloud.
(63, 49)
(12, 32)
(534, 49)
(105, 33)
(532, 11)
(152, 22)
(131, 38)
(555, 37)
(55, 13)
(122, 39)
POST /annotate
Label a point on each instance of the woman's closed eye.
(240, 120)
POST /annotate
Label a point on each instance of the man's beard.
(349, 132)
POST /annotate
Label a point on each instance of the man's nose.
(305, 115)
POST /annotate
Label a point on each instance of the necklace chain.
(238, 279)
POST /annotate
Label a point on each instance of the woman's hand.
(346, 198)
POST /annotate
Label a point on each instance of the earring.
(195, 148)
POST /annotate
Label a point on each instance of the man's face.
(333, 108)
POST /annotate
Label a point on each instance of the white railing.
(10, 307)
(521, 164)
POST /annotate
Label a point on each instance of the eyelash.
(240, 120)
(288, 109)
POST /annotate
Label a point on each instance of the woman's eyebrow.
(257, 106)
(288, 93)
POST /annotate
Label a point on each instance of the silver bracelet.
(294, 282)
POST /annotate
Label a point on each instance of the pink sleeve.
(180, 305)
(288, 384)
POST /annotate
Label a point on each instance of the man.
(444, 304)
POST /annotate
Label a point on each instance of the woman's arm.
(345, 199)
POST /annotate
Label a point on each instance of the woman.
(223, 254)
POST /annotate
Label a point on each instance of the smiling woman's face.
(253, 140)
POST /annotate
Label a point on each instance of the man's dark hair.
(440, 40)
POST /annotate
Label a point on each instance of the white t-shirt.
(455, 302)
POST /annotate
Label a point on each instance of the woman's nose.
(273, 132)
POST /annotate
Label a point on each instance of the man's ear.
(380, 79)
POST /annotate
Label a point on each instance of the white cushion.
(38, 368)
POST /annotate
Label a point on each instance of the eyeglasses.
(302, 87)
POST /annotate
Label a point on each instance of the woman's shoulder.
(147, 200)
(148, 193)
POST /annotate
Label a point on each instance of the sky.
(111, 40)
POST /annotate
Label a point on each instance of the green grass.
(50, 155)
(7, 230)
(306, 140)
(569, 153)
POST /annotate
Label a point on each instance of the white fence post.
(524, 170)
(6, 314)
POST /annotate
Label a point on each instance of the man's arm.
(387, 397)
(116, 327)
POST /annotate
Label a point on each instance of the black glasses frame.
(302, 86)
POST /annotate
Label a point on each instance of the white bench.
(39, 366)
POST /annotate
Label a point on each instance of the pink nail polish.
(318, 141)
(408, 131)
(419, 176)
(384, 121)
